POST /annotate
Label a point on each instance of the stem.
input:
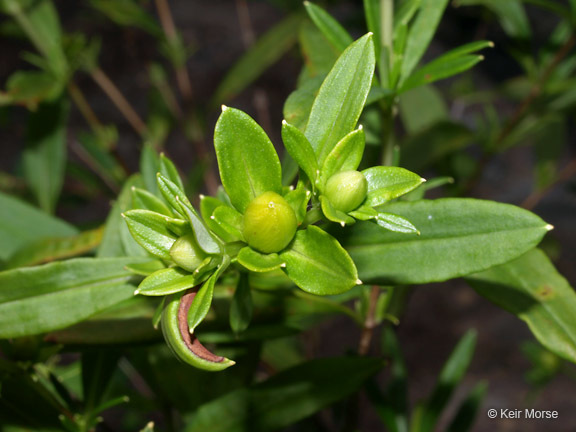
(83, 105)
(167, 22)
(369, 322)
(533, 199)
(521, 111)
(386, 37)
(119, 100)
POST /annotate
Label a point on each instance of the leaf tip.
(549, 227)
(480, 57)
(136, 292)
(212, 217)
(360, 127)
(423, 180)
(127, 399)
(283, 265)
(224, 108)
(342, 224)
(359, 282)
(123, 215)
(491, 44)
(202, 196)
(284, 122)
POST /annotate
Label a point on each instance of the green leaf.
(438, 69)
(203, 299)
(169, 170)
(149, 167)
(248, 163)
(128, 13)
(405, 12)
(386, 183)
(35, 300)
(298, 200)
(22, 224)
(298, 146)
(372, 14)
(203, 236)
(450, 377)
(533, 290)
(317, 263)
(173, 193)
(39, 20)
(334, 215)
(345, 156)
(282, 400)
(142, 199)
(466, 414)
(29, 88)
(230, 221)
(258, 262)
(421, 33)
(318, 53)
(330, 28)
(267, 50)
(341, 97)
(117, 240)
(169, 281)
(54, 248)
(299, 104)
(396, 223)
(207, 206)
(458, 237)
(44, 158)
(146, 268)
(150, 231)
(241, 306)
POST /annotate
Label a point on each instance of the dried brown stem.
(119, 100)
(167, 22)
(369, 322)
(83, 106)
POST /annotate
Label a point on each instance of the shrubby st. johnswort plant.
(331, 224)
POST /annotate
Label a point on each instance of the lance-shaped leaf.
(248, 163)
(20, 223)
(345, 156)
(203, 299)
(150, 231)
(169, 281)
(203, 236)
(230, 221)
(142, 199)
(317, 263)
(421, 33)
(387, 183)
(173, 194)
(169, 170)
(35, 300)
(533, 290)
(333, 214)
(458, 237)
(329, 26)
(341, 98)
(257, 262)
(298, 146)
(396, 223)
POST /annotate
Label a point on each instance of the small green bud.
(346, 190)
(186, 253)
(269, 223)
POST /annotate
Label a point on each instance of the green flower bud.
(346, 190)
(269, 223)
(186, 253)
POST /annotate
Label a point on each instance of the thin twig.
(566, 174)
(521, 110)
(167, 22)
(84, 107)
(369, 322)
(119, 100)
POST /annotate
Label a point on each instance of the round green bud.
(269, 223)
(346, 190)
(186, 253)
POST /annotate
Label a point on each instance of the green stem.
(386, 36)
